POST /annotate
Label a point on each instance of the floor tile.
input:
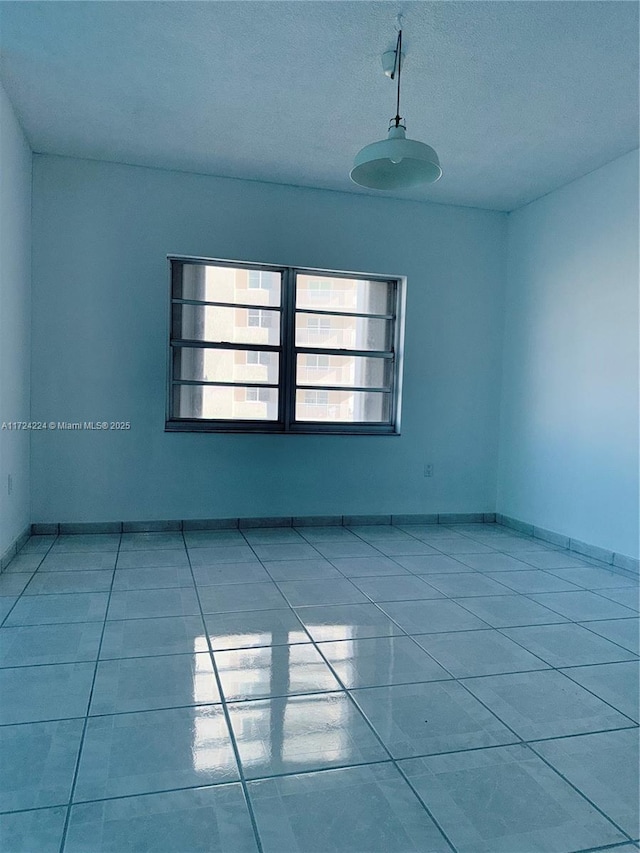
(622, 596)
(147, 603)
(26, 832)
(397, 588)
(201, 820)
(467, 584)
(78, 543)
(158, 577)
(502, 611)
(212, 538)
(616, 683)
(299, 570)
(428, 617)
(418, 530)
(230, 573)
(331, 533)
(38, 761)
(511, 536)
(582, 605)
(256, 673)
(149, 559)
(605, 768)
(52, 609)
(394, 541)
(346, 622)
(346, 549)
(303, 593)
(379, 532)
(141, 637)
(7, 603)
(494, 562)
(433, 532)
(369, 808)
(154, 751)
(38, 545)
(544, 704)
(505, 800)
(24, 563)
(472, 679)
(272, 536)
(461, 546)
(85, 561)
(48, 583)
(532, 581)
(293, 734)
(362, 567)
(227, 598)
(553, 560)
(152, 683)
(47, 644)
(624, 632)
(402, 547)
(30, 694)
(380, 661)
(421, 719)
(286, 551)
(151, 541)
(251, 629)
(597, 578)
(439, 564)
(525, 545)
(567, 645)
(223, 554)
(12, 585)
(466, 653)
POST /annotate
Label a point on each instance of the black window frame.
(288, 352)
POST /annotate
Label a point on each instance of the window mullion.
(288, 366)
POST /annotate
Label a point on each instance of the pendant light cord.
(398, 65)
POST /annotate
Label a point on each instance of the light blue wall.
(569, 421)
(101, 236)
(15, 310)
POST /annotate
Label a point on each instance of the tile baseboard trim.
(66, 527)
(13, 549)
(594, 552)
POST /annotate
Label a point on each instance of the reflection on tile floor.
(406, 688)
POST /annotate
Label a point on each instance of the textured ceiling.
(518, 98)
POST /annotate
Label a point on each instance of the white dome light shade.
(395, 163)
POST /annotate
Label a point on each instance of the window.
(257, 357)
(258, 280)
(281, 349)
(319, 290)
(316, 398)
(257, 395)
(256, 317)
(317, 362)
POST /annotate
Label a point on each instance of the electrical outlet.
(9, 484)
(428, 469)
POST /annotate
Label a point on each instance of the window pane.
(210, 283)
(343, 406)
(314, 330)
(352, 370)
(225, 365)
(226, 325)
(225, 403)
(343, 294)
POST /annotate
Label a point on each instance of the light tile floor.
(415, 689)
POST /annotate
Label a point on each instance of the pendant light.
(396, 162)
